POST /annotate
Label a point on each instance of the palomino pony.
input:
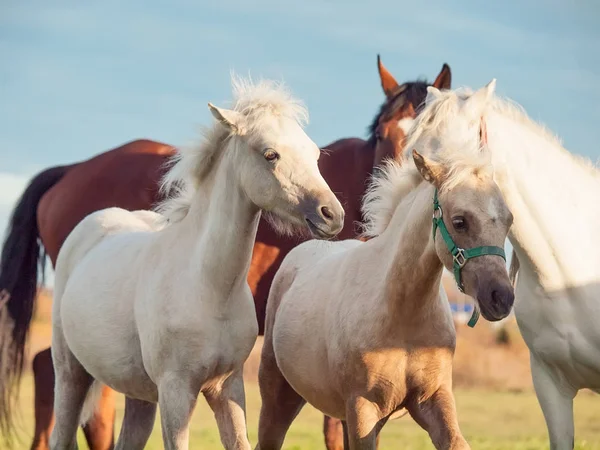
(554, 236)
(376, 328)
(158, 307)
(59, 198)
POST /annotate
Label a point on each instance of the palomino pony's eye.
(459, 223)
(271, 155)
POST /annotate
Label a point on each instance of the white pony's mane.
(191, 164)
(396, 180)
(438, 109)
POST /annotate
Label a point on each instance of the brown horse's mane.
(409, 92)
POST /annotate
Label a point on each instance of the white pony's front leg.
(177, 396)
(556, 401)
(228, 402)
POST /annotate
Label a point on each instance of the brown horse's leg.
(100, 430)
(437, 416)
(363, 424)
(334, 435)
(43, 373)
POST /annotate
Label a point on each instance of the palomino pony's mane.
(438, 109)
(396, 180)
(191, 164)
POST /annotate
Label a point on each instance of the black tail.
(21, 263)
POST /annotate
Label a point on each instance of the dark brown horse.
(128, 176)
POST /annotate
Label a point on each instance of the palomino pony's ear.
(479, 100)
(444, 79)
(229, 118)
(431, 171)
(388, 82)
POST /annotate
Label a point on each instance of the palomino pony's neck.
(549, 191)
(220, 228)
(414, 271)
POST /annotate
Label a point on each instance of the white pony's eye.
(271, 155)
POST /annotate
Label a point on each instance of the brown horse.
(128, 177)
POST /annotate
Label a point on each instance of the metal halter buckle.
(459, 258)
(438, 210)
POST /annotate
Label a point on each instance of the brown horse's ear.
(388, 82)
(444, 79)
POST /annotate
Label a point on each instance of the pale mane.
(397, 179)
(258, 102)
(445, 106)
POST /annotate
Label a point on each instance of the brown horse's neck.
(414, 271)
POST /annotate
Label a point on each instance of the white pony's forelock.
(191, 163)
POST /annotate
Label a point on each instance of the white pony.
(160, 310)
(554, 198)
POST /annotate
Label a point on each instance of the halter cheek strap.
(460, 256)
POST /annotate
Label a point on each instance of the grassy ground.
(489, 420)
(497, 408)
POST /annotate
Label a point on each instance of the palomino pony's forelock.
(191, 164)
(396, 180)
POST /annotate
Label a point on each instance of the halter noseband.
(460, 256)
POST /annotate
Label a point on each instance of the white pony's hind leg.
(556, 402)
(228, 402)
(137, 424)
(70, 391)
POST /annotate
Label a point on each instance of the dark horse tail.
(22, 262)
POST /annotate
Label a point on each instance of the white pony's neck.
(413, 269)
(219, 229)
(551, 194)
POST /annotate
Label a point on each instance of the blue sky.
(78, 78)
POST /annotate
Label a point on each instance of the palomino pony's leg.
(228, 402)
(137, 424)
(72, 386)
(437, 416)
(177, 398)
(280, 403)
(556, 402)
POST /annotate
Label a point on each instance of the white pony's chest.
(216, 331)
(561, 330)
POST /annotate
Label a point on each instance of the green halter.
(460, 256)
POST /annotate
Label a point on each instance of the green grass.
(488, 419)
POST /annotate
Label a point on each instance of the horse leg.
(333, 431)
(556, 401)
(280, 403)
(228, 402)
(72, 386)
(437, 416)
(43, 376)
(137, 424)
(336, 434)
(100, 430)
(362, 424)
(177, 398)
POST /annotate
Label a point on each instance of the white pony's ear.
(479, 100)
(431, 171)
(432, 94)
(229, 118)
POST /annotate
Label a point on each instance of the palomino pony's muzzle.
(460, 256)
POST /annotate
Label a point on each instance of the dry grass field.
(497, 408)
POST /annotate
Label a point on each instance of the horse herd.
(165, 259)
